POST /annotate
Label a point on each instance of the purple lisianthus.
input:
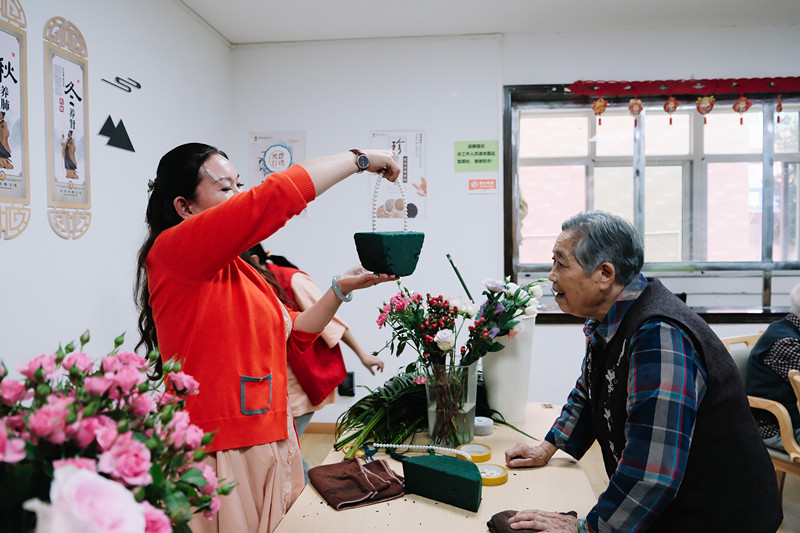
(494, 285)
(499, 308)
(493, 332)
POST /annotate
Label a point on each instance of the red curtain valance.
(750, 86)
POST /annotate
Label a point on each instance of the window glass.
(734, 212)
(663, 214)
(551, 195)
(724, 134)
(552, 135)
(786, 233)
(787, 135)
(614, 136)
(613, 190)
(663, 138)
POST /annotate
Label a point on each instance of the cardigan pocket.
(259, 391)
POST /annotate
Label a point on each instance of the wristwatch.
(362, 161)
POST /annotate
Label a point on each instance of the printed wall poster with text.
(66, 71)
(270, 152)
(410, 147)
(15, 208)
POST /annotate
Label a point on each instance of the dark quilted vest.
(762, 380)
(729, 484)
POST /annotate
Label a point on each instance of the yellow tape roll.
(493, 474)
(479, 452)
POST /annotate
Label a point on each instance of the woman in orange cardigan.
(201, 303)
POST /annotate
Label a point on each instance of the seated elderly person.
(660, 394)
(774, 355)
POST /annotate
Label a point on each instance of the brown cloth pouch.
(499, 522)
(350, 484)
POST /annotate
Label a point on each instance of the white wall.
(52, 289)
(195, 88)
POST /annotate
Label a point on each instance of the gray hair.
(602, 237)
(794, 300)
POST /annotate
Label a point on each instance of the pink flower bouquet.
(97, 447)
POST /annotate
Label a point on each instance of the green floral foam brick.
(389, 252)
(444, 479)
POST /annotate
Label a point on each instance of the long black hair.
(178, 174)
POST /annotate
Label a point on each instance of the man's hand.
(544, 521)
(523, 455)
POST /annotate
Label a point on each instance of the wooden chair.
(788, 460)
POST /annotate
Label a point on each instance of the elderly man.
(774, 355)
(661, 395)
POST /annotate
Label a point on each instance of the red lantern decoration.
(635, 106)
(779, 108)
(741, 106)
(670, 106)
(599, 107)
(704, 106)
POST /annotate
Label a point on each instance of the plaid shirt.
(665, 386)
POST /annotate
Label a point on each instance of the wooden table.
(559, 486)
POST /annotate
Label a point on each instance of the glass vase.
(451, 392)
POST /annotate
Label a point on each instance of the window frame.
(517, 98)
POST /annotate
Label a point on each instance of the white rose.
(445, 339)
(536, 291)
(511, 288)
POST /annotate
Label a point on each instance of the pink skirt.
(269, 479)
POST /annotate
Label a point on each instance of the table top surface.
(560, 486)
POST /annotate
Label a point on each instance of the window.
(694, 185)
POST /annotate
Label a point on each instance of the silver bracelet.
(338, 291)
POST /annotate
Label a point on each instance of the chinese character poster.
(274, 152)
(69, 165)
(13, 156)
(410, 147)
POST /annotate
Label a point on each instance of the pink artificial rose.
(12, 391)
(399, 302)
(193, 437)
(156, 521)
(78, 462)
(49, 422)
(91, 428)
(214, 507)
(142, 405)
(382, 319)
(184, 383)
(133, 360)
(79, 360)
(176, 429)
(127, 378)
(12, 450)
(128, 460)
(419, 380)
(164, 399)
(46, 362)
(97, 386)
(110, 364)
(212, 484)
(86, 502)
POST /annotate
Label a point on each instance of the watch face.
(362, 161)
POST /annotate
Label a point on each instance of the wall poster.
(67, 99)
(15, 196)
(411, 156)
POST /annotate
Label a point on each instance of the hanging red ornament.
(704, 106)
(670, 106)
(599, 107)
(779, 108)
(741, 106)
(635, 107)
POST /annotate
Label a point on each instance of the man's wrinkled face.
(576, 292)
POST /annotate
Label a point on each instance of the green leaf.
(194, 476)
(178, 507)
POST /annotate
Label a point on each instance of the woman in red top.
(201, 303)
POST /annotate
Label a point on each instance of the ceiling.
(273, 21)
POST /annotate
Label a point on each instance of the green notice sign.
(477, 156)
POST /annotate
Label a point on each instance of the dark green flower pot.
(389, 252)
